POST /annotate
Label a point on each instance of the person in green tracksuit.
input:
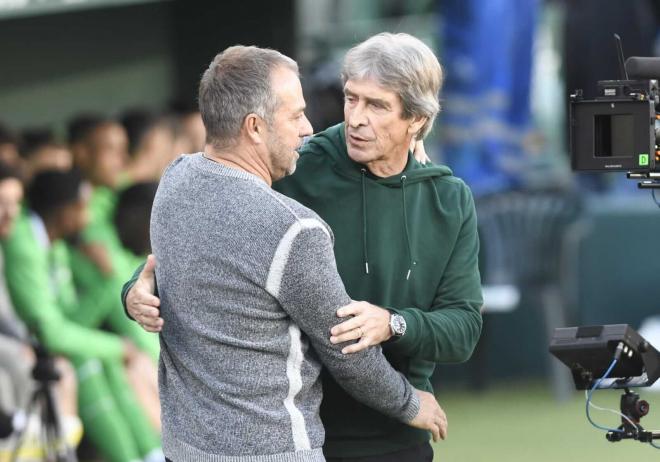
(99, 260)
(405, 240)
(38, 273)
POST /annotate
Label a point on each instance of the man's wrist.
(397, 325)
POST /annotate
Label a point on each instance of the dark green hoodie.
(408, 243)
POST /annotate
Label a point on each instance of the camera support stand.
(634, 408)
(53, 441)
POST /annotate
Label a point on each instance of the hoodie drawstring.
(411, 260)
(364, 222)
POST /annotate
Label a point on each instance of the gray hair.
(238, 83)
(403, 64)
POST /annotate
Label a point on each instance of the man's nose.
(357, 116)
(307, 129)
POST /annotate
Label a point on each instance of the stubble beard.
(283, 159)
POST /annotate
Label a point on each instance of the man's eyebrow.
(371, 100)
(378, 102)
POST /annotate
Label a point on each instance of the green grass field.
(523, 423)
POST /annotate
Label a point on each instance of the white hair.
(403, 64)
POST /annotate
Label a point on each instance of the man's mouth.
(357, 139)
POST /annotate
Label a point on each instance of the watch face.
(398, 325)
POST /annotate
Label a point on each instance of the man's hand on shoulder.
(370, 324)
(430, 417)
(141, 303)
(419, 151)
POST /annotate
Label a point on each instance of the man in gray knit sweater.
(249, 287)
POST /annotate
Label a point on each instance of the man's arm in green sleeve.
(129, 285)
(28, 283)
(450, 330)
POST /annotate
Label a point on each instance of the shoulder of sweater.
(295, 211)
(301, 216)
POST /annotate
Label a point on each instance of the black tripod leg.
(53, 442)
(56, 440)
(32, 404)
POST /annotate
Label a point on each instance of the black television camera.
(619, 130)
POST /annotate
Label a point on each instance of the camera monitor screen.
(613, 135)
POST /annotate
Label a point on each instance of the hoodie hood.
(333, 142)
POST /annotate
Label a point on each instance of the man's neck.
(237, 157)
(393, 165)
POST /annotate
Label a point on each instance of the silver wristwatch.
(397, 325)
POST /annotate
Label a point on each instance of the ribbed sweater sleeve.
(303, 278)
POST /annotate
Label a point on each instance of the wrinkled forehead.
(371, 88)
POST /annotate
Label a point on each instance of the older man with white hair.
(405, 240)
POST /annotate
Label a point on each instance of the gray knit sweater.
(249, 291)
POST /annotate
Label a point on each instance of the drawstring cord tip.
(408, 275)
(366, 267)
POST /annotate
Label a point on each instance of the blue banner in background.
(487, 57)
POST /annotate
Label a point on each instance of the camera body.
(616, 131)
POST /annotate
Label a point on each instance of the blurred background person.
(97, 256)
(131, 220)
(152, 144)
(98, 259)
(17, 357)
(39, 151)
(38, 272)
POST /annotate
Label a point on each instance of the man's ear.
(416, 124)
(254, 128)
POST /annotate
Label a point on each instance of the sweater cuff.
(412, 408)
